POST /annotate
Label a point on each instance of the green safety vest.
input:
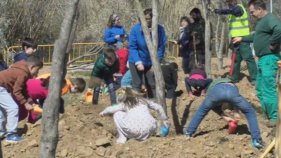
(239, 26)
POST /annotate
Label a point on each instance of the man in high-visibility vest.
(239, 27)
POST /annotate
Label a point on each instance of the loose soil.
(84, 134)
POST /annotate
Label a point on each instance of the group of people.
(21, 90)
(129, 110)
(125, 62)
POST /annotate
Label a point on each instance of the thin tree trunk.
(278, 130)
(220, 57)
(208, 54)
(49, 138)
(152, 47)
(217, 45)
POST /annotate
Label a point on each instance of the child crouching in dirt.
(198, 80)
(132, 117)
(37, 90)
(218, 92)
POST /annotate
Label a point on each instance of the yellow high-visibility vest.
(239, 26)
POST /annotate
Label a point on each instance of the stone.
(100, 151)
(33, 143)
(102, 141)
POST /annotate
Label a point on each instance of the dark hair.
(185, 18)
(29, 43)
(174, 65)
(80, 83)
(257, 4)
(109, 53)
(196, 11)
(148, 11)
(111, 20)
(35, 60)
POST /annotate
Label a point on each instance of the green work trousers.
(266, 84)
(244, 52)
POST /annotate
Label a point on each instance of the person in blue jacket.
(114, 32)
(29, 47)
(140, 63)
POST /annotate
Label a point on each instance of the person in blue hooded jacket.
(140, 63)
(114, 32)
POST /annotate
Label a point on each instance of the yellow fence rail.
(80, 49)
(46, 51)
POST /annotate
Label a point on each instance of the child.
(197, 79)
(38, 91)
(106, 65)
(132, 117)
(29, 46)
(170, 74)
(12, 85)
(3, 64)
(221, 91)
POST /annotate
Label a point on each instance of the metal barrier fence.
(78, 50)
(46, 51)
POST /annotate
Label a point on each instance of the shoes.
(257, 143)
(188, 135)
(13, 138)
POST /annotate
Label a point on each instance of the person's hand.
(236, 40)
(117, 36)
(140, 67)
(28, 106)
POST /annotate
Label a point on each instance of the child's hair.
(111, 20)
(148, 11)
(196, 11)
(35, 61)
(109, 53)
(130, 97)
(29, 43)
(174, 65)
(79, 82)
(185, 18)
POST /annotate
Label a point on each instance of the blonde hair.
(130, 97)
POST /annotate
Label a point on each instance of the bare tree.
(278, 130)
(219, 40)
(208, 55)
(49, 138)
(152, 47)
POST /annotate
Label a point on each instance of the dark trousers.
(200, 54)
(145, 76)
(186, 64)
(110, 84)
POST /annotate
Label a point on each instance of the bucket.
(89, 96)
(38, 110)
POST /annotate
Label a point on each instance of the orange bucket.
(89, 96)
(37, 110)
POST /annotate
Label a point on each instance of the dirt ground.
(84, 134)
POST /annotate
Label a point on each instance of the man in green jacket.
(239, 27)
(266, 39)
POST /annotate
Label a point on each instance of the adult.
(183, 42)
(197, 42)
(114, 32)
(239, 27)
(139, 57)
(222, 91)
(266, 39)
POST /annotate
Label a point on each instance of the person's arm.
(249, 38)
(107, 36)
(236, 11)
(18, 89)
(158, 108)
(275, 26)
(161, 43)
(112, 109)
(133, 46)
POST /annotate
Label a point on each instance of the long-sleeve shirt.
(235, 10)
(137, 122)
(267, 32)
(138, 51)
(184, 42)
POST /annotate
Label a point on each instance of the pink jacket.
(35, 90)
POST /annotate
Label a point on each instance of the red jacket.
(123, 58)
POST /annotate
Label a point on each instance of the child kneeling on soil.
(106, 65)
(197, 79)
(132, 116)
(37, 90)
(218, 92)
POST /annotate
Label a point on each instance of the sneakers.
(257, 143)
(188, 135)
(13, 138)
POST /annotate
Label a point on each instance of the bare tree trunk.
(208, 54)
(152, 47)
(220, 57)
(217, 45)
(278, 130)
(49, 138)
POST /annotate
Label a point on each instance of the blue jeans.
(111, 89)
(220, 93)
(126, 80)
(9, 110)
